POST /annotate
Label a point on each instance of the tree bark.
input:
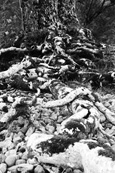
(49, 13)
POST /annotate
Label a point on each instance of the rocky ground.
(57, 110)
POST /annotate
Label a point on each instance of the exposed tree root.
(14, 69)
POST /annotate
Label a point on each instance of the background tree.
(10, 21)
(93, 8)
(98, 15)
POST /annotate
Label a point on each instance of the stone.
(10, 160)
(30, 131)
(50, 128)
(24, 129)
(12, 146)
(20, 161)
(2, 105)
(36, 114)
(3, 167)
(21, 135)
(54, 116)
(6, 143)
(69, 170)
(77, 171)
(42, 129)
(60, 119)
(17, 139)
(20, 155)
(10, 99)
(39, 169)
(46, 120)
(1, 99)
(10, 152)
(58, 127)
(2, 158)
(32, 161)
(113, 147)
(21, 168)
(25, 155)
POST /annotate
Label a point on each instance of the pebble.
(10, 99)
(54, 116)
(50, 128)
(21, 120)
(113, 147)
(10, 152)
(16, 139)
(10, 160)
(109, 125)
(46, 120)
(37, 114)
(39, 169)
(36, 124)
(24, 129)
(60, 119)
(25, 155)
(20, 155)
(101, 139)
(77, 171)
(3, 167)
(69, 170)
(21, 168)
(21, 135)
(58, 126)
(42, 128)
(2, 105)
(2, 158)
(1, 99)
(12, 145)
(46, 113)
(20, 161)
(32, 161)
(30, 131)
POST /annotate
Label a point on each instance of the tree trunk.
(49, 13)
